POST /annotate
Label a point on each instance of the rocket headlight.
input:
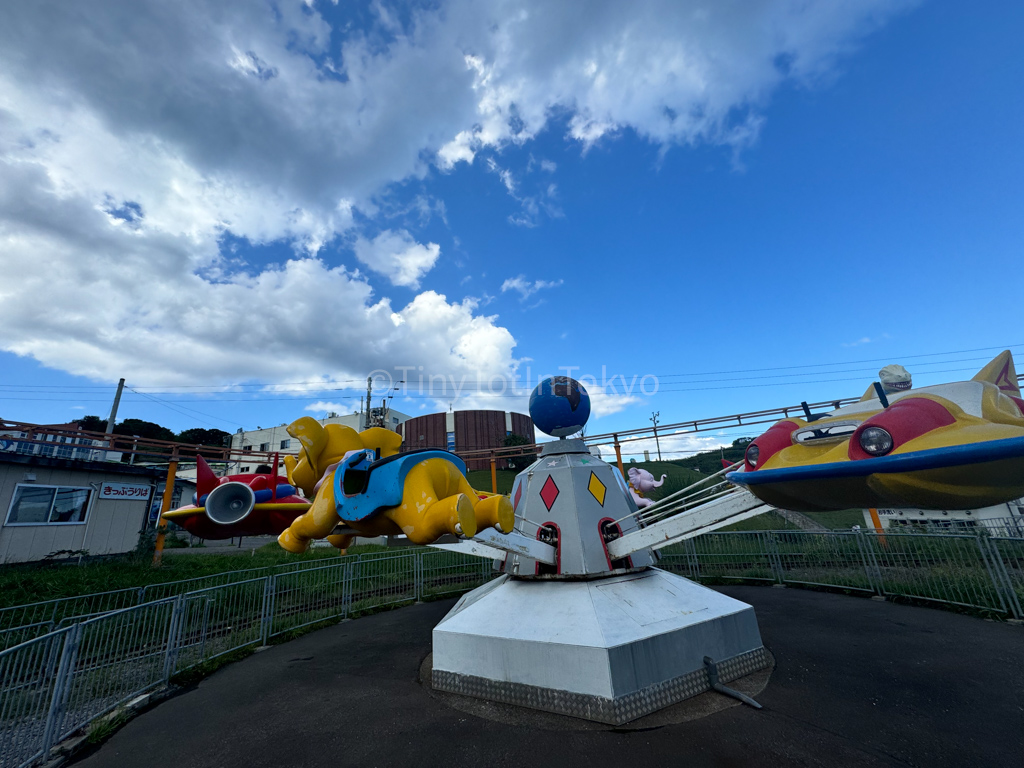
(752, 453)
(876, 441)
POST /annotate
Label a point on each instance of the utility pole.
(369, 394)
(654, 418)
(113, 410)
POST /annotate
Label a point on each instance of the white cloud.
(607, 403)
(525, 288)
(396, 255)
(673, 446)
(675, 71)
(135, 138)
(161, 308)
(326, 406)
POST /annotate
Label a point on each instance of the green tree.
(200, 436)
(522, 459)
(92, 424)
(147, 429)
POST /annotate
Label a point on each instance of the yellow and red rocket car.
(950, 446)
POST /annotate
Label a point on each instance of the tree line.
(152, 431)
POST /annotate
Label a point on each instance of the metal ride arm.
(699, 508)
(736, 506)
(491, 544)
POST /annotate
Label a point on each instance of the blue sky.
(442, 191)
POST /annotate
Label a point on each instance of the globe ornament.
(559, 406)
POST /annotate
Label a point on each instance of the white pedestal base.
(610, 649)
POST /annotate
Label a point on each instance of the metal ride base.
(607, 649)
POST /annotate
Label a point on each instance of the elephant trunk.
(660, 482)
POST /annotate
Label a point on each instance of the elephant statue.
(640, 482)
(360, 480)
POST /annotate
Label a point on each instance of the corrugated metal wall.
(523, 425)
(424, 432)
(474, 430)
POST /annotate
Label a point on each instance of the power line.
(612, 378)
(613, 392)
(182, 410)
(326, 386)
(850, 362)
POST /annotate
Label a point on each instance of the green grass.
(480, 479)
(677, 477)
(31, 583)
(843, 519)
(766, 522)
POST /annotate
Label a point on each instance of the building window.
(286, 444)
(48, 505)
(450, 441)
(264, 446)
(247, 448)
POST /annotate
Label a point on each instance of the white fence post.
(61, 689)
(173, 636)
(269, 595)
(1000, 578)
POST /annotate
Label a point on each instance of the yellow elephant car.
(359, 480)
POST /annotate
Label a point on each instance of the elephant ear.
(310, 434)
(633, 474)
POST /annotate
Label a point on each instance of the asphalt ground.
(857, 682)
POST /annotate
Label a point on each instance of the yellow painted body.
(436, 499)
(986, 409)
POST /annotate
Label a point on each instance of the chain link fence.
(56, 682)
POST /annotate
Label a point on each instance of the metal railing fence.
(979, 572)
(59, 682)
(19, 623)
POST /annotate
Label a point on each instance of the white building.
(277, 439)
(62, 506)
(1000, 519)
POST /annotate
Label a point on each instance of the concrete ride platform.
(611, 649)
(856, 683)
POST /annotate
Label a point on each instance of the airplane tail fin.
(1002, 373)
(206, 480)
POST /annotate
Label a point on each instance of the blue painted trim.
(385, 481)
(917, 461)
(261, 496)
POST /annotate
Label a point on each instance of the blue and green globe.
(559, 406)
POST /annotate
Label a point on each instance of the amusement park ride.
(581, 621)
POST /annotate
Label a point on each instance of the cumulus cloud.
(326, 406)
(397, 256)
(102, 301)
(138, 137)
(673, 446)
(526, 288)
(675, 71)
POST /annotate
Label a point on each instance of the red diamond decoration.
(519, 495)
(549, 493)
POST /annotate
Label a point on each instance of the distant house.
(63, 494)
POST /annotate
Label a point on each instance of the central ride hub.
(587, 635)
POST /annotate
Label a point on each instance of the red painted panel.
(905, 419)
(777, 437)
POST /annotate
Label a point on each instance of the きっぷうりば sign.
(124, 491)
